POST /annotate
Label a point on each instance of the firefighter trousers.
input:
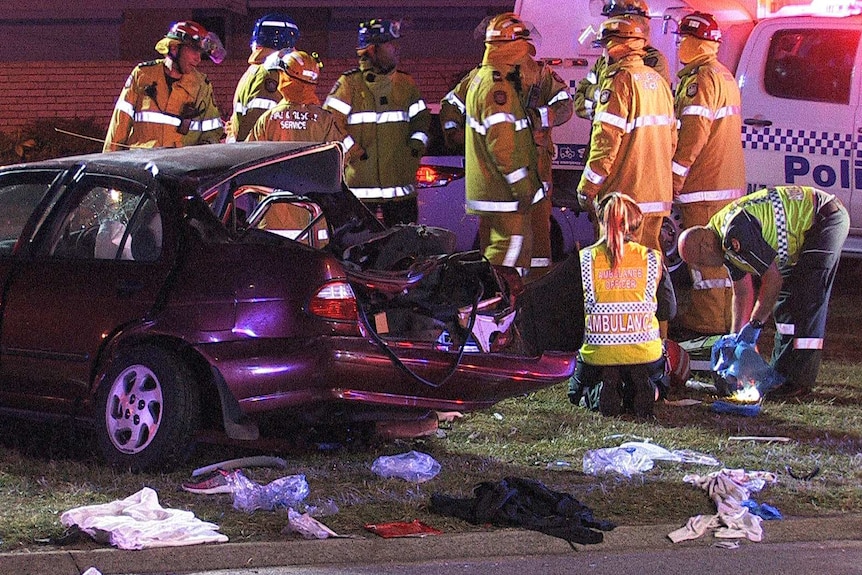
(800, 312)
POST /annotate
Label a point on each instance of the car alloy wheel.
(150, 410)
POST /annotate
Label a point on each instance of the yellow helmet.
(620, 27)
(300, 65)
(507, 27)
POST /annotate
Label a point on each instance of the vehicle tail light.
(335, 301)
(437, 176)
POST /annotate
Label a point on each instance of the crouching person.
(621, 364)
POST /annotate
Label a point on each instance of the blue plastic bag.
(739, 365)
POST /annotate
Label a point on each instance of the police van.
(801, 103)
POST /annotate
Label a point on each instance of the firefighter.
(386, 120)
(790, 237)
(548, 104)
(626, 291)
(168, 102)
(634, 131)
(587, 90)
(502, 178)
(257, 90)
(708, 166)
(299, 115)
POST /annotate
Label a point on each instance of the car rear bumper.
(286, 374)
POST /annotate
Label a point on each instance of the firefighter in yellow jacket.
(500, 154)
(548, 104)
(168, 102)
(299, 115)
(387, 121)
(708, 166)
(257, 89)
(587, 91)
(626, 292)
(634, 131)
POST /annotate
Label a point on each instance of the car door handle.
(757, 122)
(128, 288)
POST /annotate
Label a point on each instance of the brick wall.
(32, 90)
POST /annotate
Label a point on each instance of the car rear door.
(98, 262)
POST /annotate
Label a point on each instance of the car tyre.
(149, 410)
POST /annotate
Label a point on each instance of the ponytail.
(621, 220)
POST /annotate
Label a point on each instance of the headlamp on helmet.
(374, 32)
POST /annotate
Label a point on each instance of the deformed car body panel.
(120, 281)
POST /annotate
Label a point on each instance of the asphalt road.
(830, 545)
(843, 558)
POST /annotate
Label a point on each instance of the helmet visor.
(212, 47)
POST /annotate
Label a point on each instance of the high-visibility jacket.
(784, 214)
(387, 120)
(289, 122)
(633, 137)
(620, 305)
(708, 165)
(547, 102)
(587, 91)
(148, 115)
(256, 92)
(500, 155)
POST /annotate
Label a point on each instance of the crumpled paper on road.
(139, 522)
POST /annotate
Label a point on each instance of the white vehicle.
(801, 102)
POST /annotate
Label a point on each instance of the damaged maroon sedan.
(162, 292)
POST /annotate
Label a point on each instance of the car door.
(97, 263)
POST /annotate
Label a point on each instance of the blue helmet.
(276, 31)
(378, 32)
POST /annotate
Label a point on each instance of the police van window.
(814, 65)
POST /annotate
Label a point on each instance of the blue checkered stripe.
(780, 227)
(797, 141)
(592, 306)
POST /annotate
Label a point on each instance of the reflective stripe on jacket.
(621, 327)
(387, 123)
(708, 165)
(500, 155)
(785, 213)
(256, 92)
(147, 115)
(633, 137)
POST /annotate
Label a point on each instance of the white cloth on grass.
(727, 488)
(139, 522)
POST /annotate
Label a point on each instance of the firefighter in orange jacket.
(168, 102)
(299, 115)
(634, 131)
(548, 104)
(627, 292)
(257, 89)
(587, 91)
(386, 119)
(500, 154)
(708, 166)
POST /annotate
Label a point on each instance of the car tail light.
(437, 176)
(335, 301)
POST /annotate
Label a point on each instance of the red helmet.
(193, 34)
(700, 25)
